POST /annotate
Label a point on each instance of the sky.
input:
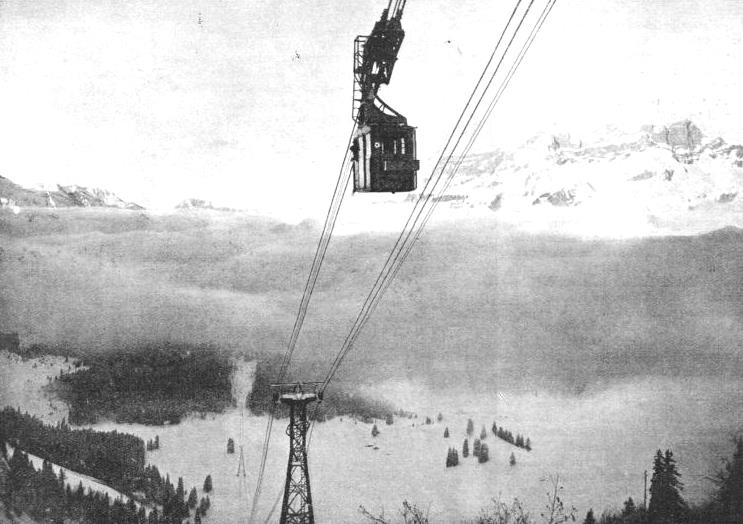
(248, 103)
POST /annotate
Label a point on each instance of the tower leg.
(297, 504)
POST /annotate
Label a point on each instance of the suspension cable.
(328, 227)
(376, 292)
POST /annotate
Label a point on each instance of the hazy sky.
(248, 103)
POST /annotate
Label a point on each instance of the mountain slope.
(666, 179)
(15, 196)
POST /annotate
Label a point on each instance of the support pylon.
(241, 464)
(297, 504)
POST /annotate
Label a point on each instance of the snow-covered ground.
(23, 383)
(599, 442)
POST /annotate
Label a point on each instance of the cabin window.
(402, 146)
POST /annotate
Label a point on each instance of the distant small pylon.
(241, 464)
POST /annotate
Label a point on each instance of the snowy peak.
(15, 197)
(661, 176)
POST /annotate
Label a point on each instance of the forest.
(46, 497)
(114, 458)
(148, 385)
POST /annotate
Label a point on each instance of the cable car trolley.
(383, 149)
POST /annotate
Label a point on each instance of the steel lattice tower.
(297, 505)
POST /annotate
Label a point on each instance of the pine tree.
(208, 484)
(655, 507)
(193, 498)
(230, 446)
(470, 427)
(484, 454)
(374, 431)
(476, 448)
(590, 519)
(446, 432)
(439, 417)
(494, 429)
(629, 507)
(527, 446)
(466, 449)
(157, 442)
(512, 459)
(676, 505)
(729, 498)
(483, 434)
(388, 419)
(666, 504)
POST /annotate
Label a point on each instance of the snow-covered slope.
(15, 197)
(658, 180)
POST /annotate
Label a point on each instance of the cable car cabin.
(384, 157)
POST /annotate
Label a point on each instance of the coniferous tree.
(666, 504)
(483, 434)
(476, 448)
(512, 459)
(208, 484)
(484, 454)
(193, 498)
(157, 442)
(230, 446)
(676, 505)
(629, 507)
(590, 519)
(388, 419)
(527, 445)
(446, 432)
(374, 431)
(470, 427)
(655, 507)
(466, 449)
(439, 417)
(494, 429)
(729, 498)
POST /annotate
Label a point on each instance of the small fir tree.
(512, 459)
(476, 448)
(483, 434)
(466, 449)
(193, 498)
(484, 454)
(374, 431)
(446, 432)
(590, 519)
(208, 484)
(230, 446)
(470, 427)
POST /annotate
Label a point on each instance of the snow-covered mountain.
(660, 179)
(15, 197)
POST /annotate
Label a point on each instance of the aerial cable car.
(383, 149)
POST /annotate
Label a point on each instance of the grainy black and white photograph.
(371, 261)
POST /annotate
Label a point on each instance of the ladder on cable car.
(358, 60)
